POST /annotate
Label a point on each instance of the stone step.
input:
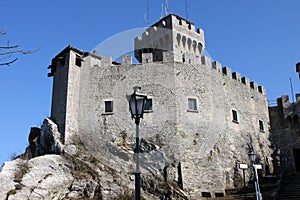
(290, 188)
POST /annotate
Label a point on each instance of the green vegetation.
(11, 192)
(209, 158)
(23, 168)
(126, 195)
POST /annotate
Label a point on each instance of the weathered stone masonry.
(204, 142)
(285, 124)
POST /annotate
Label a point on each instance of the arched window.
(178, 37)
(183, 41)
(200, 48)
(189, 42)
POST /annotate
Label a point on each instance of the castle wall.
(114, 83)
(211, 143)
(201, 120)
(59, 92)
(205, 141)
(285, 133)
(73, 95)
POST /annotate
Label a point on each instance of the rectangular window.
(148, 105)
(62, 60)
(78, 61)
(108, 106)
(192, 104)
(261, 126)
(235, 116)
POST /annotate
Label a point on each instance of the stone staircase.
(290, 187)
(268, 186)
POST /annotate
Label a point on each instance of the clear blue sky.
(259, 39)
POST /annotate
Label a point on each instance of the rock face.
(44, 140)
(79, 176)
(47, 172)
(45, 177)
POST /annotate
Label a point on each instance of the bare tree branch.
(2, 32)
(9, 63)
(8, 51)
(9, 47)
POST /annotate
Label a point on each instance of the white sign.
(243, 166)
(258, 166)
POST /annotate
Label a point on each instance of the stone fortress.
(285, 128)
(200, 117)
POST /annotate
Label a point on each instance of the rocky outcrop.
(45, 177)
(80, 176)
(50, 170)
(44, 140)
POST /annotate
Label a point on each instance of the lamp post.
(255, 167)
(137, 103)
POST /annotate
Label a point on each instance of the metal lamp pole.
(137, 103)
(137, 159)
(243, 167)
(256, 184)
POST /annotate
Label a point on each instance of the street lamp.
(252, 156)
(255, 167)
(137, 103)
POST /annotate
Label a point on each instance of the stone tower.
(171, 34)
(65, 69)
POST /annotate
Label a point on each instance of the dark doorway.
(296, 153)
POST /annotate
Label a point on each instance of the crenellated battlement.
(226, 71)
(205, 60)
(175, 39)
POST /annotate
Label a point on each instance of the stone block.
(147, 58)
(126, 60)
(236, 76)
(245, 80)
(205, 60)
(262, 89)
(217, 66)
(254, 85)
(226, 71)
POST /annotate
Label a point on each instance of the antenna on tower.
(186, 10)
(164, 9)
(162, 14)
(147, 14)
(167, 8)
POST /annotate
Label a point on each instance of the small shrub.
(23, 169)
(126, 195)
(209, 158)
(13, 156)
(11, 192)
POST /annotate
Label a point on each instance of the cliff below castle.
(50, 170)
